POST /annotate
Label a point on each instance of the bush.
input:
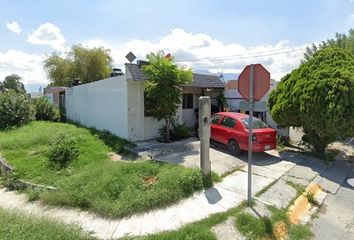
(45, 110)
(191, 181)
(15, 109)
(63, 149)
(177, 132)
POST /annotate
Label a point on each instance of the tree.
(341, 41)
(87, 64)
(163, 88)
(12, 82)
(319, 97)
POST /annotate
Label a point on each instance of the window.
(256, 123)
(228, 122)
(215, 119)
(187, 101)
(147, 106)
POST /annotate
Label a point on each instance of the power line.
(244, 56)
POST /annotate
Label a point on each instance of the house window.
(147, 106)
(187, 101)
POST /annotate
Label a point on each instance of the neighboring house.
(233, 99)
(117, 104)
(52, 94)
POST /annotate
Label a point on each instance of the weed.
(300, 232)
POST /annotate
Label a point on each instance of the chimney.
(116, 72)
(76, 82)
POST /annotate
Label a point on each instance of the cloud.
(14, 27)
(197, 50)
(201, 51)
(48, 34)
(28, 66)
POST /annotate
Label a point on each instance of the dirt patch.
(114, 157)
(149, 180)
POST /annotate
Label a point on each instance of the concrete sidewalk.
(223, 196)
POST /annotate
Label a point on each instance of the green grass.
(18, 226)
(199, 230)
(92, 181)
(253, 227)
(300, 232)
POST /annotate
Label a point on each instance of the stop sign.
(260, 85)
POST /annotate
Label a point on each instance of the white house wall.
(101, 104)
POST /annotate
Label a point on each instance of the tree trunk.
(167, 122)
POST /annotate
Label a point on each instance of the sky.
(218, 36)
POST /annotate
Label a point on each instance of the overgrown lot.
(92, 181)
(16, 226)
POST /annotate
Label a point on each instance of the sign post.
(250, 141)
(253, 84)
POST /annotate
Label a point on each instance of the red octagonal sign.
(261, 82)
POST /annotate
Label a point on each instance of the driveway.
(187, 153)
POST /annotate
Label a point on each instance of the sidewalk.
(223, 196)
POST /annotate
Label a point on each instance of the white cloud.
(14, 27)
(27, 66)
(201, 51)
(48, 34)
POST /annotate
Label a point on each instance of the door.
(214, 127)
(226, 131)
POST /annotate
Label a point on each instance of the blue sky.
(189, 29)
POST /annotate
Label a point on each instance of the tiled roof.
(199, 80)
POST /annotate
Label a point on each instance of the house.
(117, 104)
(233, 99)
(52, 94)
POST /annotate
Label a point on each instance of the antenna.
(222, 77)
(130, 57)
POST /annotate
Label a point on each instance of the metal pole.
(250, 142)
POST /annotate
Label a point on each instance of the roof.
(199, 80)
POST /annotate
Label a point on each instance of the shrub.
(62, 150)
(45, 110)
(191, 181)
(15, 109)
(177, 132)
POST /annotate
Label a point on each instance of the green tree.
(87, 64)
(341, 40)
(163, 88)
(13, 82)
(319, 97)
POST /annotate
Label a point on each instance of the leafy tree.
(15, 109)
(341, 41)
(319, 97)
(163, 88)
(12, 82)
(87, 64)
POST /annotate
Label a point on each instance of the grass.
(300, 232)
(16, 226)
(199, 230)
(93, 182)
(259, 193)
(253, 227)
